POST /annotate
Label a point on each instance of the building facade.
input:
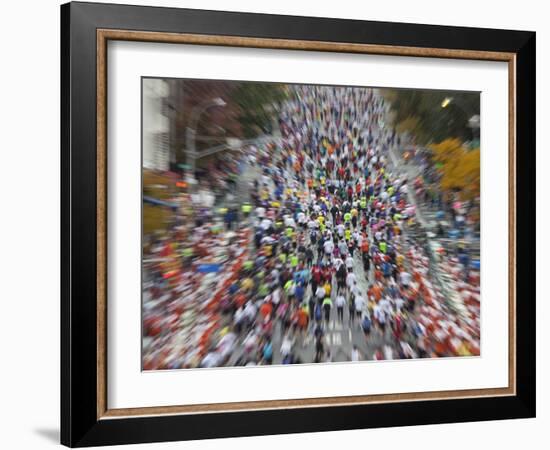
(156, 125)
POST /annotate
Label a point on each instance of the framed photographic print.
(277, 224)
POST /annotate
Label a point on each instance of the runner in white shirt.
(329, 247)
(265, 224)
(340, 303)
(260, 212)
(227, 344)
(399, 303)
(405, 278)
(275, 275)
(212, 359)
(385, 304)
(289, 222)
(351, 280)
(276, 297)
(359, 304)
(286, 345)
(250, 311)
(320, 293)
(337, 262)
(380, 316)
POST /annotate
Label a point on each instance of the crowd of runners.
(320, 262)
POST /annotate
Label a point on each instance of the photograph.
(288, 223)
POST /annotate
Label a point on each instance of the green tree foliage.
(255, 105)
(433, 115)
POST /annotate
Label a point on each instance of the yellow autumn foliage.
(460, 167)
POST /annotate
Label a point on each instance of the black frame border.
(79, 423)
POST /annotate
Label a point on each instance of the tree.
(255, 102)
(459, 166)
(433, 115)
